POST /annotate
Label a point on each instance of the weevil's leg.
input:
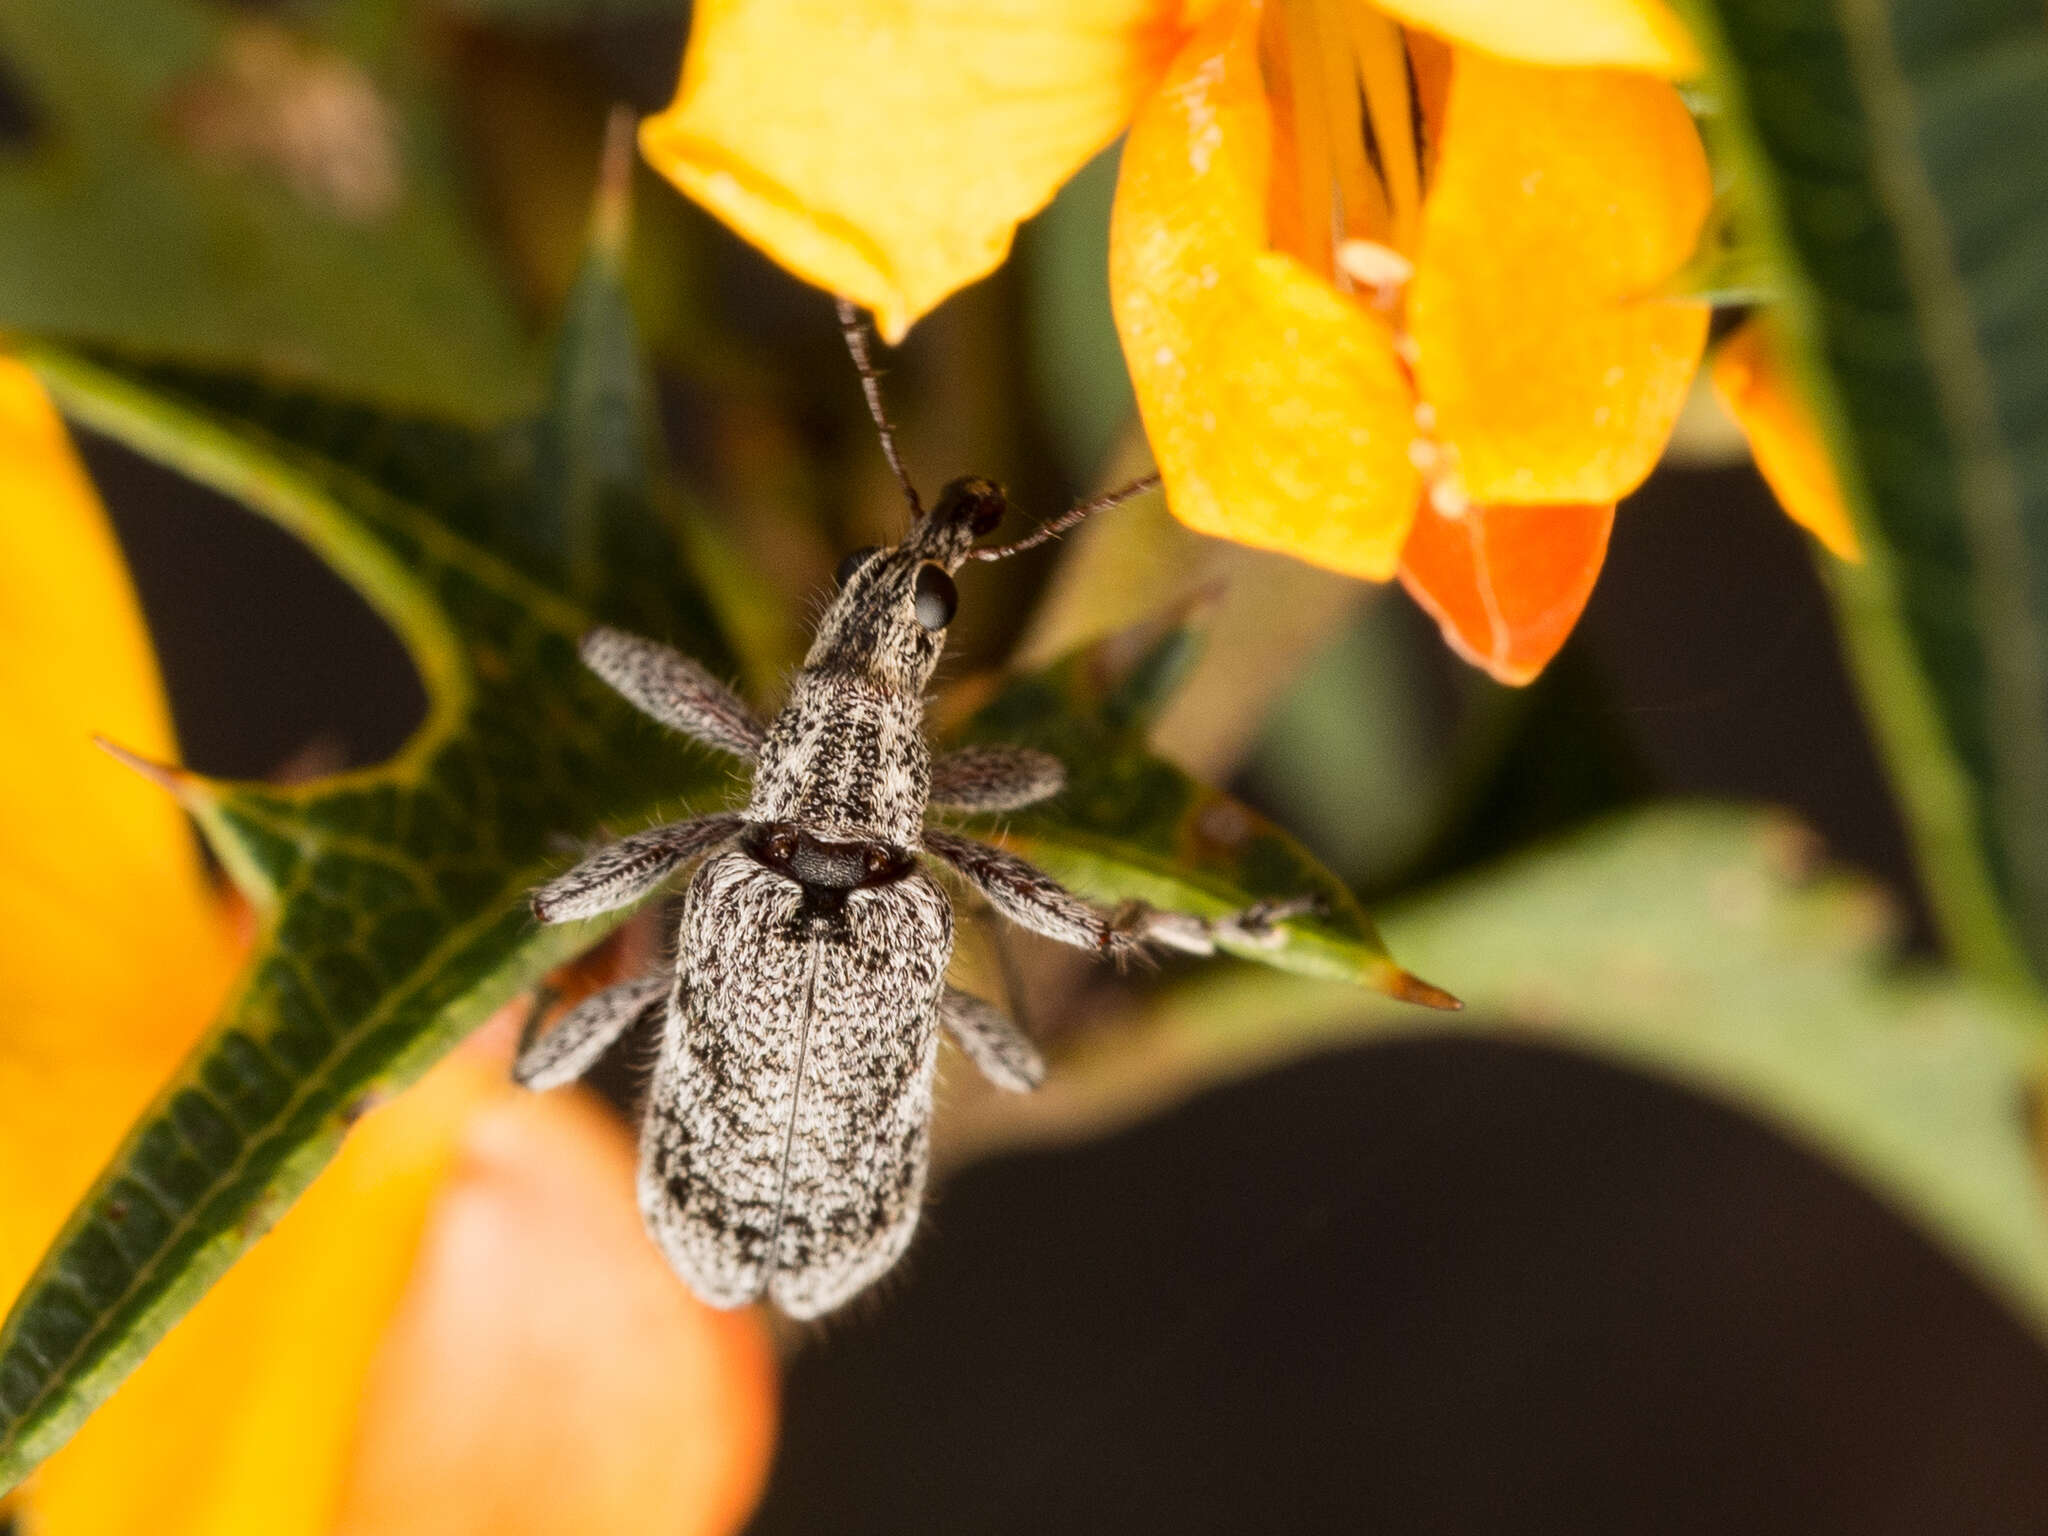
(1035, 900)
(995, 778)
(1258, 924)
(1029, 897)
(621, 873)
(572, 1047)
(1004, 1053)
(661, 681)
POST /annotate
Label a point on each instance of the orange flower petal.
(239, 1423)
(546, 1372)
(887, 152)
(1562, 200)
(1275, 407)
(1783, 438)
(1506, 584)
(1640, 35)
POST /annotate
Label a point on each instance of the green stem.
(1935, 796)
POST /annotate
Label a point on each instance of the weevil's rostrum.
(787, 1126)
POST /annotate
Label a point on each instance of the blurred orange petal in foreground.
(460, 1328)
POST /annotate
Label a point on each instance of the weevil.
(787, 1125)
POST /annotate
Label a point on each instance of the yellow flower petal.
(113, 947)
(1640, 35)
(1783, 438)
(546, 1372)
(887, 151)
(1562, 199)
(1277, 412)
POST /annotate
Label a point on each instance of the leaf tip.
(189, 788)
(1401, 986)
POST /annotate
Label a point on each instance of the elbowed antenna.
(871, 386)
(1054, 527)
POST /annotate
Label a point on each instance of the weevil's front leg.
(620, 874)
(991, 1041)
(572, 1047)
(1029, 897)
(995, 778)
(661, 681)
(1033, 899)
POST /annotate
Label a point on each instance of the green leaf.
(161, 204)
(1886, 155)
(393, 899)
(1131, 826)
(1696, 944)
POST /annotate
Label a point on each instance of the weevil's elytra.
(787, 1127)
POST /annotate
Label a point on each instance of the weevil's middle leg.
(572, 1047)
(1028, 896)
(995, 778)
(1258, 924)
(621, 873)
(1034, 900)
(991, 1041)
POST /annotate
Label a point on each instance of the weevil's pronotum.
(787, 1125)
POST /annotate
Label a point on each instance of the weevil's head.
(890, 615)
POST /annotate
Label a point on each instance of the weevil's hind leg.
(1033, 899)
(1004, 1053)
(621, 873)
(995, 778)
(573, 1046)
(660, 681)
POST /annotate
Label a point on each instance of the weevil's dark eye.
(937, 597)
(854, 562)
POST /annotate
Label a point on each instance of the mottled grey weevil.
(787, 1125)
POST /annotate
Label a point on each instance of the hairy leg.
(660, 681)
(1004, 1053)
(1027, 896)
(995, 778)
(572, 1047)
(1033, 899)
(623, 872)
(1256, 924)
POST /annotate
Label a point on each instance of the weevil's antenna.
(856, 336)
(1054, 527)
